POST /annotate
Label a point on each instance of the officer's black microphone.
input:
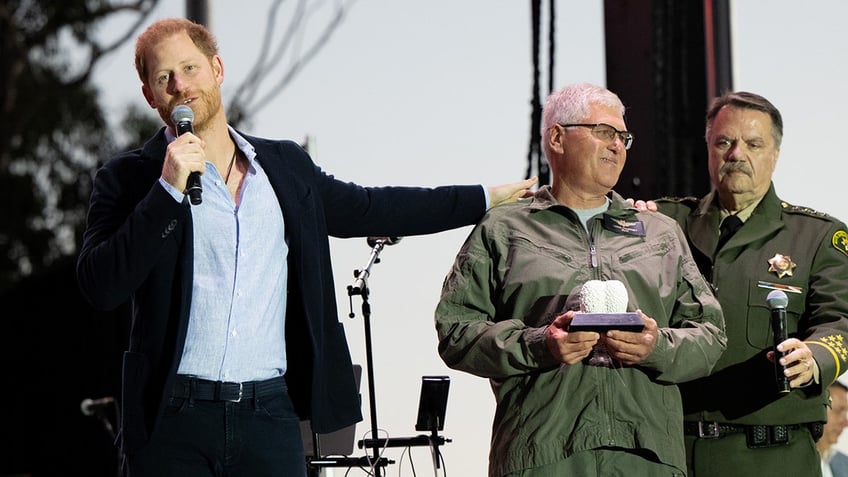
(182, 116)
(777, 301)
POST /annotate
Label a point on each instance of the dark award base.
(601, 322)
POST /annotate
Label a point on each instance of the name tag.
(623, 226)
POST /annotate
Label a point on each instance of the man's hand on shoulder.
(506, 193)
(642, 205)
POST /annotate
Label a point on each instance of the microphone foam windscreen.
(182, 113)
(777, 299)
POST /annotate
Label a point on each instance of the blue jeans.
(253, 438)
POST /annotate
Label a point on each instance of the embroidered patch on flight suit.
(782, 265)
(840, 241)
(623, 226)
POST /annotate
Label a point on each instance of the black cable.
(533, 153)
(551, 45)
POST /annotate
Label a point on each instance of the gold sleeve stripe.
(832, 352)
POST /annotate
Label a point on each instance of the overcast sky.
(437, 92)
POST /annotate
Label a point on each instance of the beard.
(205, 106)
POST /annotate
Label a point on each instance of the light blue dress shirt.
(236, 329)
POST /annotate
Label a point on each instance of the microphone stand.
(434, 440)
(360, 287)
(107, 426)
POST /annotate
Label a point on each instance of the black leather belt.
(205, 390)
(756, 435)
(710, 430)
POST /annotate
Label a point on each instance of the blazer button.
(171, 226)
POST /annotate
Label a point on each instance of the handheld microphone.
(96, 407)
(777, 301)
(182, 116)
(373, 241)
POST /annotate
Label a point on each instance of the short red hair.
(155, 33)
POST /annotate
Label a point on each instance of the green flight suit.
(514, 275)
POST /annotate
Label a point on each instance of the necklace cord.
(230, 167)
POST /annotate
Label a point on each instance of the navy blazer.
(138, 247)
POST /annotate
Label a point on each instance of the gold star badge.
(782, 265)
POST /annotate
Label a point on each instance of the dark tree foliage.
(52, 136)
(52, 128)
(53, 131)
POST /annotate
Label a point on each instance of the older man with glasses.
(601, 399)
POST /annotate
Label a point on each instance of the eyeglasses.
(605, 132)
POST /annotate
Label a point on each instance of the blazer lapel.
(290, 189)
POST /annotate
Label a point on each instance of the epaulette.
(800, 209)
(839, 239)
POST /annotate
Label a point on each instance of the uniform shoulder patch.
(840, 241)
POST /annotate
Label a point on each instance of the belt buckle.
(240, 394)
(220, 388)
(708, 435)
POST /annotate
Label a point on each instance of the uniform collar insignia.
(782, 265)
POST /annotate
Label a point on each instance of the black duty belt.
(205, 390)
(756, 435)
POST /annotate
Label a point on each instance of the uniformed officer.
(736, 420)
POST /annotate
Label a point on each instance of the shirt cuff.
(176, 194)
(816, 376)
